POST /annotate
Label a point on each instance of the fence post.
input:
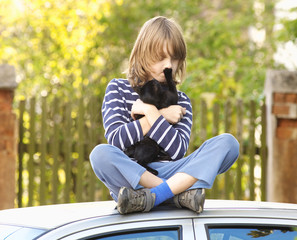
(8, 135)
(281, 98)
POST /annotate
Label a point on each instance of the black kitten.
(162, 96)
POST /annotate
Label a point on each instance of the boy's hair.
(148, 49)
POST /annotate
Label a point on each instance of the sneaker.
(192, 199)
(130, 200)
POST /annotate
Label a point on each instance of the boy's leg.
(114, 168)
(213, 157)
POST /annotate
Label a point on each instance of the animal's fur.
(162, 96)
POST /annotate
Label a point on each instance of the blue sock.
(163, 192)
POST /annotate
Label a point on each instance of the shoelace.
(137, 200)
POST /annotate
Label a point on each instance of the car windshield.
(249, 233)
(18, 232)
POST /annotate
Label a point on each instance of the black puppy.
(162, 96)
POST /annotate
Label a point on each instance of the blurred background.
(66, 51)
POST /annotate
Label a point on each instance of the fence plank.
(92, 108)
(43, 151)
(239, 132)
(203, 124)
(215, 131)
(32, 143)
(21, 152)
(227, 125)
(80, 144)
(263, 152)
(252, 149)
(55, 149)
(67, 139)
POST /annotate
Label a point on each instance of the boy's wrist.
(151, 113)
(149, 109)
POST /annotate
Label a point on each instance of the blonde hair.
(149, 48)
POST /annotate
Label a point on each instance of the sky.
(286, 53)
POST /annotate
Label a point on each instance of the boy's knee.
(99, 154)
(231, 142)
(105, 156)
(101, 159)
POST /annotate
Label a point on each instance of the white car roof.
(51, 216)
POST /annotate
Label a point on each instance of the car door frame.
(90, 228)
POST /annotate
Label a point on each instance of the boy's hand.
(150, 112)
(137, 108)
(173, 114)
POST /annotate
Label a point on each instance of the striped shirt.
(122, 131)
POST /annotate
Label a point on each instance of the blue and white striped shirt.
(122, 131)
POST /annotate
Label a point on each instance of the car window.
(149, 235)
(251, 233)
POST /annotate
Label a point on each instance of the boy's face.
(166, 62)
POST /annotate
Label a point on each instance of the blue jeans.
(115, 169)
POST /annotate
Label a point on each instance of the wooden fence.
(56, 138)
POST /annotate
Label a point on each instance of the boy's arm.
(173, 114)
(174, 139)
(120, 131)
(150, 112)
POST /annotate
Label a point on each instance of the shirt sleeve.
(174, 139)
(120, 131)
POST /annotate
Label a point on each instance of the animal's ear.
(168, 74)
(170, 83)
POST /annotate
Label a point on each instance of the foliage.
(288, 31)
(73, 48)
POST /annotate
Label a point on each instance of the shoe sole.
(123, 200)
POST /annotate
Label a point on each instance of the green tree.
(72, 48)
